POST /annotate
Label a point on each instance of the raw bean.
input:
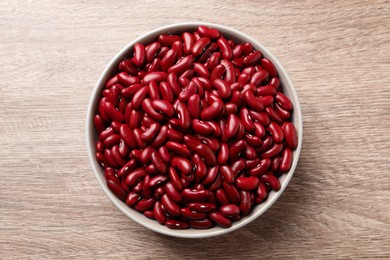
(286, 161)
(290, 135)
(220, 219)
(230, 210)
(201, 224)
(176, 224)
(202, 206)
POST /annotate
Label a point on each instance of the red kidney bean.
(201, 127)
(176, 224)
(252, 58)
(188, 42)
(284, 114)
(188, 91)
(247, 48)
(134, 176)
(109, 160)
(216, 184)
(283, 101)
(212, 111)
(218, 72)
(177, 46)
(247, 183)
(275, 83)
(229, 210)
(238, 166)
(199, 46)
(250, 164)
(267, 100)
(164, 107)
(161, 137)
(220, 219)
(211, 175)
(286, 161)
(112, 113)
(273, 115)
(246, 120)
(127, 66)
(271, 180)
(138, 187)
(155, 65)
(166, 92)
(171, 207)
(139, 54)
(116, 156)
(266, 91)
(127, 168)
(101, 159)
(245, 202)
(259, 77)
(112, 140)
(130, 91)
(164, 154)
(213, 60)
(253, 102)
(106, 133)
(168, 60)
(261, 117)
(232, 126)
(290, 135)
(179, 149)
(231, 193)
(175, 135)
(172, 193)
(252, 140)
(168, 40)
(183, 164)
(153, 90)
(275, 163)
(221, 197)
(195, 195)
(230, 75)
(200, 166)
(151, 51)
(99, 124)
(196, 36)
(276, 132)
(144, 204)
(127, 80)
(182, 65)
(149, 214)
(261, 168)
(250, 152)
(194, 105)
(273, 151)
(158, 212)
(268, 66)
(201, 206)
(159, 163)
(132, 198)
(235, 149)
(109, 174)
(99, 146)
(188, 213)
(261, 192)
(211, 33)
(223, 88)
(225, 48)
(231, 108)
(201, 224)
(237, 51)
(139, 96)
(227, 174)
(223, 155)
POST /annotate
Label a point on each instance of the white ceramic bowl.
(91, 136)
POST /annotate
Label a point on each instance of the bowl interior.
(91, 136)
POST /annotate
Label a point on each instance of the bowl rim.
(141, 219)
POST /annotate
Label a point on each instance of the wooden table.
(338, 56)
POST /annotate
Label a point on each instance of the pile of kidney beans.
(193, 130)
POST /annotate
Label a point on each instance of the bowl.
(91, 136)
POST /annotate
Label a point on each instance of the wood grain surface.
(337, 204)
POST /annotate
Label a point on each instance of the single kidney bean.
(184, 115)
(168, 40)
(268, 66)
(108, 158)
(201, 224)
(188, 213)
(182, 164)
(139, 54)
(151, 51)
(271, 180)
(237, 51)
(161, 137)
(231, 193)
(260, 117)
(116, 156)
(129, 92)
(273, 151)
(284, 114)
(261, 168)
(286, 161)
(172, 193)
(99, 124)
(211, 175)
(247, 183)
(250, 164)
(195, 195)
(175, 135)
(284, 102)
(201, 127)
(259, 77)
(132, 198)
(216, 184)
(201, 206)
(223, 155)
(275, 163)
(159, 163)
(168, 60)
(276, 132)
(176, 224)
(101, 159)
(245, 202)
(218, 72)
(201, 70)
(275, 83)
(153, 90)
(273, 115)
(221, 197)
(252, 101)
(164, 154)
(211, 33)
(220, 219)
(149, 214)
(112, 113)
(200, 166)
(172, 208)
(99, 146)
(179, 149)
(225, 48)
(155, 65)
(182, 65)
(199, 46)
(158, 212)
(235, 149)
(127, 66)
(127, 80)
(252, 58)
(188, 42)
(230, 75)
(144, 204)
(227, 174)
(188, 91)
(177, 46)
(135, 176)
(223, 88)
(290, 135)
(238, 166)
(266, 91)
(232, 126)
(213, 60)
(261, 192)
(127, 168)
(150, 133)
(230, 210)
